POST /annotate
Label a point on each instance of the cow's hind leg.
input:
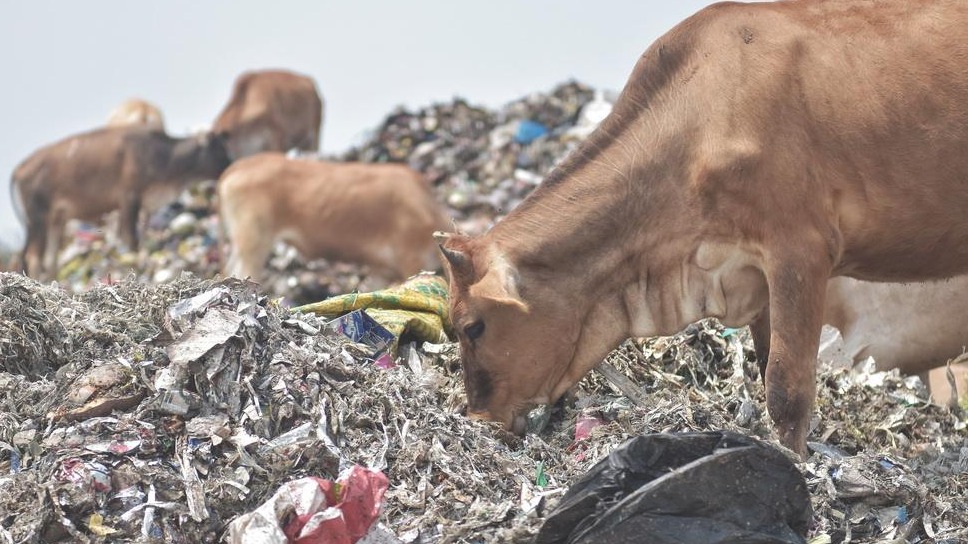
(37, 215)
(128, 221)
(248, 260)
(251, 244)
(31, 258)
(797, 285)
(56, 223)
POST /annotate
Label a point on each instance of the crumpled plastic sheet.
(685, 488)
(315, 511)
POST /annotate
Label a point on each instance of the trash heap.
(168, 412)
(482, 163)
(141, 400)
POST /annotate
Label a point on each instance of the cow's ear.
(500, 284)
(457, 258)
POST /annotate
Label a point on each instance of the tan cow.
(381, 215)
(912, 327)
(89, 174)
(271, 110)
(136, 111)
(756, 151)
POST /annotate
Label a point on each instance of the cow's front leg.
(128, 222)
(760, 331)
(797, 291)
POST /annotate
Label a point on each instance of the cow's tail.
(17, 201)
(19, 260)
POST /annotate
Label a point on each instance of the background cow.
(271, 110)
(913, 327)
(87, 175)
(136, 111)
(381, 215)
(755, 153)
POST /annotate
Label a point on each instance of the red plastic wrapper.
(316, 511)
(584, 426)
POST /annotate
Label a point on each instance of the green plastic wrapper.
(418, 308)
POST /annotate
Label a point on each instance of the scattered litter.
(140, 401)
(361, 328)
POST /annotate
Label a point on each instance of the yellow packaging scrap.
(96, 525)
(418, 307)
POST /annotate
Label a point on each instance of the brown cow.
(381, 215)
(271, 111)
(87, 175)
(913, 327)
(136, 111)
(756, 151)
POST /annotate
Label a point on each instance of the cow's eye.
(474, 330)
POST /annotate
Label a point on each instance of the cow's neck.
(184, 157)
(584, 225)
(602, 233)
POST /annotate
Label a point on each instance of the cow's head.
(517, 337)
(204, 154)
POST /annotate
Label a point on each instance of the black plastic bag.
(686, 488)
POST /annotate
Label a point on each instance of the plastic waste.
(685, 488)
(529, 131)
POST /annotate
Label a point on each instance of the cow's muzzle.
(517, 423)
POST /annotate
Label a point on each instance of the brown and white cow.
(136, 111)
(756, 151)
(271, 110)
(381, 215)
(88, 175)
(914, 327)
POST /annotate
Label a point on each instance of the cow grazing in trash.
(136, 111)
(914, 327)
(90, 174)
(271, 110)
(756, 151)
(381, 215)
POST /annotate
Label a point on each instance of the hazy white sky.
(65, 65)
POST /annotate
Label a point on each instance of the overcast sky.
(65, 65)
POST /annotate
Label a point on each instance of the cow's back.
(136, 111)
(912, 327)
(848, 117)
(379, 215)
(271, 110)
(79, 174)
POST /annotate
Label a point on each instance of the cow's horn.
(457, 259)
(459, 263)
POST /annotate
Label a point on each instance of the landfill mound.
(481, 163)
(145, 399)
(163, 412)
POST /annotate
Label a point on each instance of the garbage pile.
(172, 412)
(144, 399)
(482, 163)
